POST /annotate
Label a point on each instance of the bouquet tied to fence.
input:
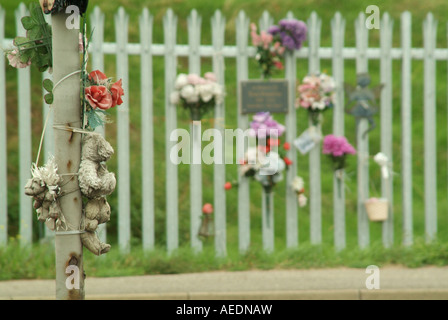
(266, 162)
(197, 94)
(316, 94)
(288, 35)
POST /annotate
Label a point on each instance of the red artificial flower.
(264, 149)
(98, 97)
(288, 161)
(286, 146)
(227, 186)
(207, 208)
(273, 142)
(96, 76)
(117, 92)
(278, 65)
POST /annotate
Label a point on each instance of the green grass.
(254, 8)
(37, 262)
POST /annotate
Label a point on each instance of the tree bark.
(67, 111)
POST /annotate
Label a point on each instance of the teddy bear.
(95, 182)
(44, 188)
(96, 211)
(94, 178)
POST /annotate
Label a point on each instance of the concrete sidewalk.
(340, 283)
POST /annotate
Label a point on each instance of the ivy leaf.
(49, 98)
(48, 85)
(28, 23)
(18, 41)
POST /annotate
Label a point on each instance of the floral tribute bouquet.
(289, 34)
(100, 94)
(197, 94)
(337, 148)
(317, 94)
(266, 162)
(298, 185)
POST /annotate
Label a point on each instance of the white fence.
(243, 53)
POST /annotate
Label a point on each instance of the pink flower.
(266, 39)
(207, 208)
(210, 76)
(337, 146)
(117, 92)
(14, 60)
(97, 76)
(98, 97)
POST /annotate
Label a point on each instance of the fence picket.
(242, 29)
(292, 221)
(429, 105)
(3, 144)
(147, 133)
(362, 142)
(123, 181)
(406, 127)
(24, 115)
(267, 208)
(338, 32)
(386, 32)
(194, 61)
(172, 221)
(218, 23)
(314, 28)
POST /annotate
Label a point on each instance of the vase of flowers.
(197, 94)
(316, 94)
(271, 45)
(337, 148)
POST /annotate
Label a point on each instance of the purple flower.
(290, 32)
(264, 125)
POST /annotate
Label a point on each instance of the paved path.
(340, 283)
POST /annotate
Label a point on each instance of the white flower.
(327, 83)
(189, 93)
(175, 97)
(218, 92)
(273, 164)
(320, 105)
(205, 91)
(181, 81)
(302, 200)
(297, 184)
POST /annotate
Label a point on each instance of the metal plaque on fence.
(264, 95)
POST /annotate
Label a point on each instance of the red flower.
(117, 92)
(264, 149)
(98, 97)
(286, 146)
(96, 76)
(278, 65)
(273, 142)
(288, 161)
(227, 186)
(207, 208)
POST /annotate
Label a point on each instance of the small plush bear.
(94, 179)
(90, 241)
(97, 211)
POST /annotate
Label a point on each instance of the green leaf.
(18, 41)
(28, 23)
(48, 85)
(49, 98)
(35, 33)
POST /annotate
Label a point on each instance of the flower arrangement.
(267, 161)
(100, 94)
(289, 34)
(337, 148)
(197, 94)
(298, 185)
(317, 94)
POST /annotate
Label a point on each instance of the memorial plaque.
(264, 95)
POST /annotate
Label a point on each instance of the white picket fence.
(243, 53)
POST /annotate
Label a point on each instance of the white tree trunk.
(67, 111)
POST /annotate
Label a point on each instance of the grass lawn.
(306, 255)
